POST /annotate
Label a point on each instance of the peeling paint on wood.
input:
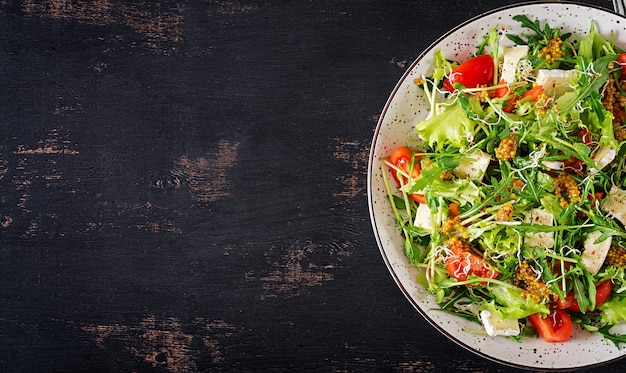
(296, 268)
(221, 8)
(166, 342)
(5, 221)
(356, 155)
(161, 226)
(50, 145)
(160, 23)
(206, 175)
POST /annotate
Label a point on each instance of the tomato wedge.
(472, 73)
(603, 292)
(462, 264)
(419, 198)
(533, 93)
(621, 60)
(556, 327)
(584, 135)
(567, 302)
(402, 158)
(503, 92)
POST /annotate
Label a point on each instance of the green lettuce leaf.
(512, 305)
(614, 310)
(605, 127)
(461, 191)
(449, 127)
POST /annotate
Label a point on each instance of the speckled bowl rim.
(375, 222)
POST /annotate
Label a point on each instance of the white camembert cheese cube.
(512, 55)
(554, 82)
(541, 239)
(473, 166)
(594, 253)
(554, 165)
(603, 156)
(495, 325)
(423, 218)
(615, 204)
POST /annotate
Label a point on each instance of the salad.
(513, 204)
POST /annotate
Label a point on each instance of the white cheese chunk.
(554, 82)
(594, 253)
(423, 218)
(512, 56)
(541, 239)
(473, 166)
(615, 204)
(603, 156)
(495, 325)
(554, 165)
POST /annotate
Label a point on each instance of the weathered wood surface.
(182, 186)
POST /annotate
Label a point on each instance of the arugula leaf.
(615, 338)
(595, 75)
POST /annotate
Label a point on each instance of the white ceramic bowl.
(404, 107)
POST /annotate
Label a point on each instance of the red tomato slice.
(603, 292)
(472, 73)
(556, 327)
(502, 92)
(567, 302)
(402, 158)
(584, 135)
(533, 93)
(574, 165)
(462, 264)
(419, 198)
(621, 59)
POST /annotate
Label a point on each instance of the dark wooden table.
(183, 186)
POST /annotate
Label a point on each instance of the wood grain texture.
(183, 186)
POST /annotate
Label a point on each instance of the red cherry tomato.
(419, 198)
(574, 165)
(621, 60)
(584, 135)
(472, 73)
(567, 302)
(502, 92)
(533, 93)
(556, 327)
(462, 264)
(402, 158)
(603, 292)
